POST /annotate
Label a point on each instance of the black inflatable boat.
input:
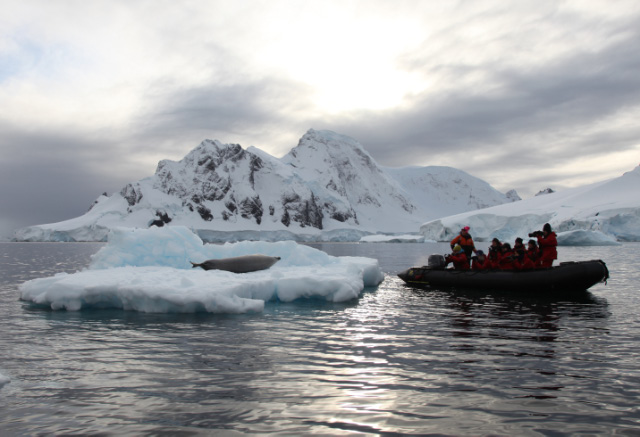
(566, 277)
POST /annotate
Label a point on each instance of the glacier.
(149, 270)
(602, 213)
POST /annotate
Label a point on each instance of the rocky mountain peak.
(327, 182)
(513, 196)
(333, 148)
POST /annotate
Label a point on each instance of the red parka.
(533, 255)
(459, 260)
(548, 251)
(476, 264)
(525, 264)
(506, 260)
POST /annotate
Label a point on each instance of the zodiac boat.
(566, 277)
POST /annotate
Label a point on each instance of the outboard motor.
(435, 262)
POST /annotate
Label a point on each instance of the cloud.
(579, 104)
(53, 183)
(240, 112)
(522, 95)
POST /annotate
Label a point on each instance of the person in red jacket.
(548, 243)
(522, 261)
(458, 258)
(533, 253)
(506, 258)
(480, 261)
(465, 241)
(495, 250)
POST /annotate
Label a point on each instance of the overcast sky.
(523, 94)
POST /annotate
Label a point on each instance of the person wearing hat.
(465, 241)
(458, 258)
(480, 261)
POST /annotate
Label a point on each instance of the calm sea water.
(396, 361)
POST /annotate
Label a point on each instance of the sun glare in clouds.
(349, 63)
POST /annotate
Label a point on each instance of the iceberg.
(149, 270)
(382, 238)
(583, 237)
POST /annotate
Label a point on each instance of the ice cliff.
(599, 213)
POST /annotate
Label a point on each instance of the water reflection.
(396, 361)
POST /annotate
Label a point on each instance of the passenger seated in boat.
(480, 261)
(533, 252)
(506, 258)
(458, 258)
(518, 247)
(495, 250)
(522, 261)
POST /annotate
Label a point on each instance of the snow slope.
(327, 187)
(441, 191)
(599, 213)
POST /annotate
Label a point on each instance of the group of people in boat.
(539, 253)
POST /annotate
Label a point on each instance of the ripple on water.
(398, 360)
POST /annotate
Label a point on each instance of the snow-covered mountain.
(441, 191)
(327, 183)
(599, 213)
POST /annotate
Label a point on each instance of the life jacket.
(466, 242)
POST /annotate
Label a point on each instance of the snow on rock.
(610, 208)
(545, 191)
(513, 196)
(327, 184)
(150, 271)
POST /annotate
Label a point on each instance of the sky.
(522, 94)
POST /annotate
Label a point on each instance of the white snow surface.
(149, 270)
(596, 214)
(327, 188)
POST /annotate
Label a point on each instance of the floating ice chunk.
(149, 271)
